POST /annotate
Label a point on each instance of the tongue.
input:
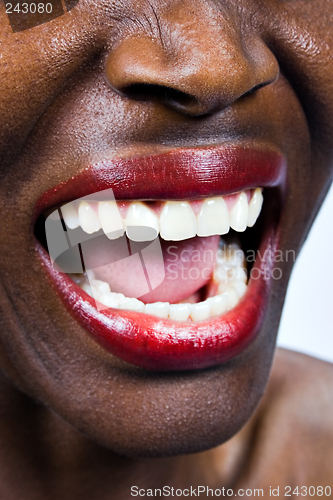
(175, 270)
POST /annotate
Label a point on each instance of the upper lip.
(181, 174)
(175, 175)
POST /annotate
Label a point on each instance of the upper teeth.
(177, 220)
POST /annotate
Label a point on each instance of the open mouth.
(166, 282)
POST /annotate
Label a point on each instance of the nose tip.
(140, 69)
(205, 76)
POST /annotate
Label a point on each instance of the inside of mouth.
(188, 279)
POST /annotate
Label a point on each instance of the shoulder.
(302, 385)
(293, 426)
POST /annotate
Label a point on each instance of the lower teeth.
(230, 278)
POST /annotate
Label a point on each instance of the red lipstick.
(182, 174)
(163, 344)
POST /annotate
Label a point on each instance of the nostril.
(167, 95)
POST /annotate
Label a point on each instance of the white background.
(307, 320)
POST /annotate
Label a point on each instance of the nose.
(199, 63)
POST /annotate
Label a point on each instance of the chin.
(154, 414)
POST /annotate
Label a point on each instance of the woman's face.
(84, 94)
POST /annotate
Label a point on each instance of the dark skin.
(77, 422)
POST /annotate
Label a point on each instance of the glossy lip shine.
(148, 341)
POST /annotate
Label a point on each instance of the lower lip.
(164, 345)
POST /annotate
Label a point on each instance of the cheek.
(42, 58)
(303, 41)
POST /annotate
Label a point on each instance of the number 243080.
(310, 491)
(31, 8)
